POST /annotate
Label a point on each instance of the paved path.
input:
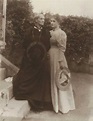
(83, 87)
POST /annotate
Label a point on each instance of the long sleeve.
(61, 40)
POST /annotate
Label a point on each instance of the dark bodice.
(33, 34)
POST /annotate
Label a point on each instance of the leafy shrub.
(79, 31)
(19, 16)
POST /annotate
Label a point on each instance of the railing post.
(3, 4)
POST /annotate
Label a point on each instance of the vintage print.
(46, 60)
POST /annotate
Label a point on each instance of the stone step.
(11, 109)
(6, 92)
(16, 110)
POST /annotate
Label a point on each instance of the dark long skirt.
(33, 82)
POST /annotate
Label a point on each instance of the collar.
(39, 29)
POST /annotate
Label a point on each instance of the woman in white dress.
(62, 101)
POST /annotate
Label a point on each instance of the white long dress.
(62, 101)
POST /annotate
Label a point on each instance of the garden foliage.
(79, 32)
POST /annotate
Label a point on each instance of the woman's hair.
(37, 15)
(54, 17)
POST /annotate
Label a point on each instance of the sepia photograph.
(46, 60)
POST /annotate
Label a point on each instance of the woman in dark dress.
(32, 82)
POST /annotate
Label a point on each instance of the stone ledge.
(16, 110)
(6, 92)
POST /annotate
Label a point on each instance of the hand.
(64, 83)
(61, 65)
